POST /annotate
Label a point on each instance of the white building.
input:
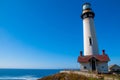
(91, 60)
(114, 68)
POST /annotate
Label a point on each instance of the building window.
(113, 69)
(85, 67)
(118, 69)
(102, 66)
(90, 41)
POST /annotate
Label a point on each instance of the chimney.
(103, 52)
(81, 53)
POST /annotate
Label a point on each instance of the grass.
(65, 76)
(73, 76)
(112, 76)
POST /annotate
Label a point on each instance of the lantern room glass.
(86, 6)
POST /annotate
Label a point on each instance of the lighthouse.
(90, 40)
(91, 60)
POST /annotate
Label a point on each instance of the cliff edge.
(66, 76)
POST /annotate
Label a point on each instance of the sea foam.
(18, 78)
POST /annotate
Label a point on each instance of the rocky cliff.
(66, 76)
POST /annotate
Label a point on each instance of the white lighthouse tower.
(91, 60)
(90, 40)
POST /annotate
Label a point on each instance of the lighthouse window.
(85, 16)
(90, 41)
(90, 15)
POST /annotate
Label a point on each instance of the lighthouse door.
(93, 65)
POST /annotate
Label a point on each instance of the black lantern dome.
(87, 11)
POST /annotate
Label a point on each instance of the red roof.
(101, 58)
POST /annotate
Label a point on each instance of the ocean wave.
(18, 78)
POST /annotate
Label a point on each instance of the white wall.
(116, 68)
(102, 67)
(89, 31)
(88, 68)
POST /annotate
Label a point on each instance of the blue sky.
(49, 33)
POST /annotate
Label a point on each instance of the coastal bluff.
(67, 76)
(78, 75)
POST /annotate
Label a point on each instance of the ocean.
(26, 74)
